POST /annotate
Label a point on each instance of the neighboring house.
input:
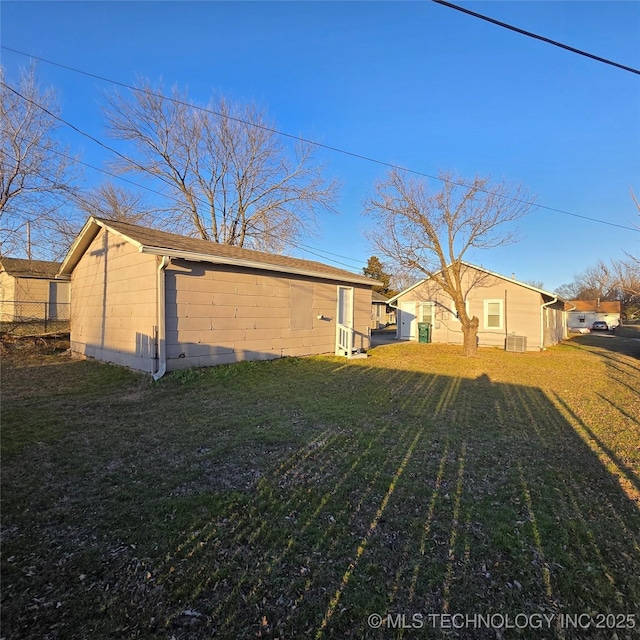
(156, 301)
(581, 314)
(381, 314)
(512, 314)
(29, 291)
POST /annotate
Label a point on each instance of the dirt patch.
(26, 350)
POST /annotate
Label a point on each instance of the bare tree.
(430, 233)
(570, 291)
(36, 171)
(619, 280)
(626, 275)
(402, 278)
(113, 202)
(634, 261)
(596, 282)
(230, 174)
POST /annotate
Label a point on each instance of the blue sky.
(412, 83)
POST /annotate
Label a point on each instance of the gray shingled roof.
(378, 297)
(171, 244)
(21, 268)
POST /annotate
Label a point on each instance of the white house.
(581, 314)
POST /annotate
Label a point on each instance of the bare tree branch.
(431, 233)
(238, 184)
(36, 176)
(113, 202)
(626, 276)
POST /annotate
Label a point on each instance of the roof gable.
(163, 243)
(548, 294)
(21, 268)
(378, 297)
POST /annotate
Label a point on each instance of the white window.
(493, 314)
(427, 312)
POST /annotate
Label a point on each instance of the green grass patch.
(296, 497)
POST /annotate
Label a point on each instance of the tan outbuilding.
(156, 301)
(512, 315)
(29, 291)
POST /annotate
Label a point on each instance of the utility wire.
(536, 36)
(220, 115)
(76, 129)
(302, 247)
(280, 133)
(141, 168)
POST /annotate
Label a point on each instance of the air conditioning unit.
(516, 343)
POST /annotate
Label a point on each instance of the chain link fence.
(20, 318)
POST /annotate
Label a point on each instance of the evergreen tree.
(375, 270)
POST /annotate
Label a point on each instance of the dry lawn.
(297, 497)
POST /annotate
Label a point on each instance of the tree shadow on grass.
(441, 496)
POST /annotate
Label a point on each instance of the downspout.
(506, 316)
(565, 321)
(542, 308)
(161, 306)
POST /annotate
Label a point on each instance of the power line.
(536, 36)
(302, 247)
(320, 145)
(283, 134)
(220, 115)
(108, 173)
(312, 250)
(74, 128)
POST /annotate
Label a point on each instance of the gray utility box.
(516, 343)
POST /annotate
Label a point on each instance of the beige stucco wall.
(217, 314)
(23, 298)
(555, 324)
(521, 315)
(31, 296)
(6, 296)
(32, 289)
(113, 303)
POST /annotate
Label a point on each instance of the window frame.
(422, 305)
(349, 304)
(486, 314)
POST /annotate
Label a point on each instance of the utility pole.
(29, 239)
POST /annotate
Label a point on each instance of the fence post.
(45, 316)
